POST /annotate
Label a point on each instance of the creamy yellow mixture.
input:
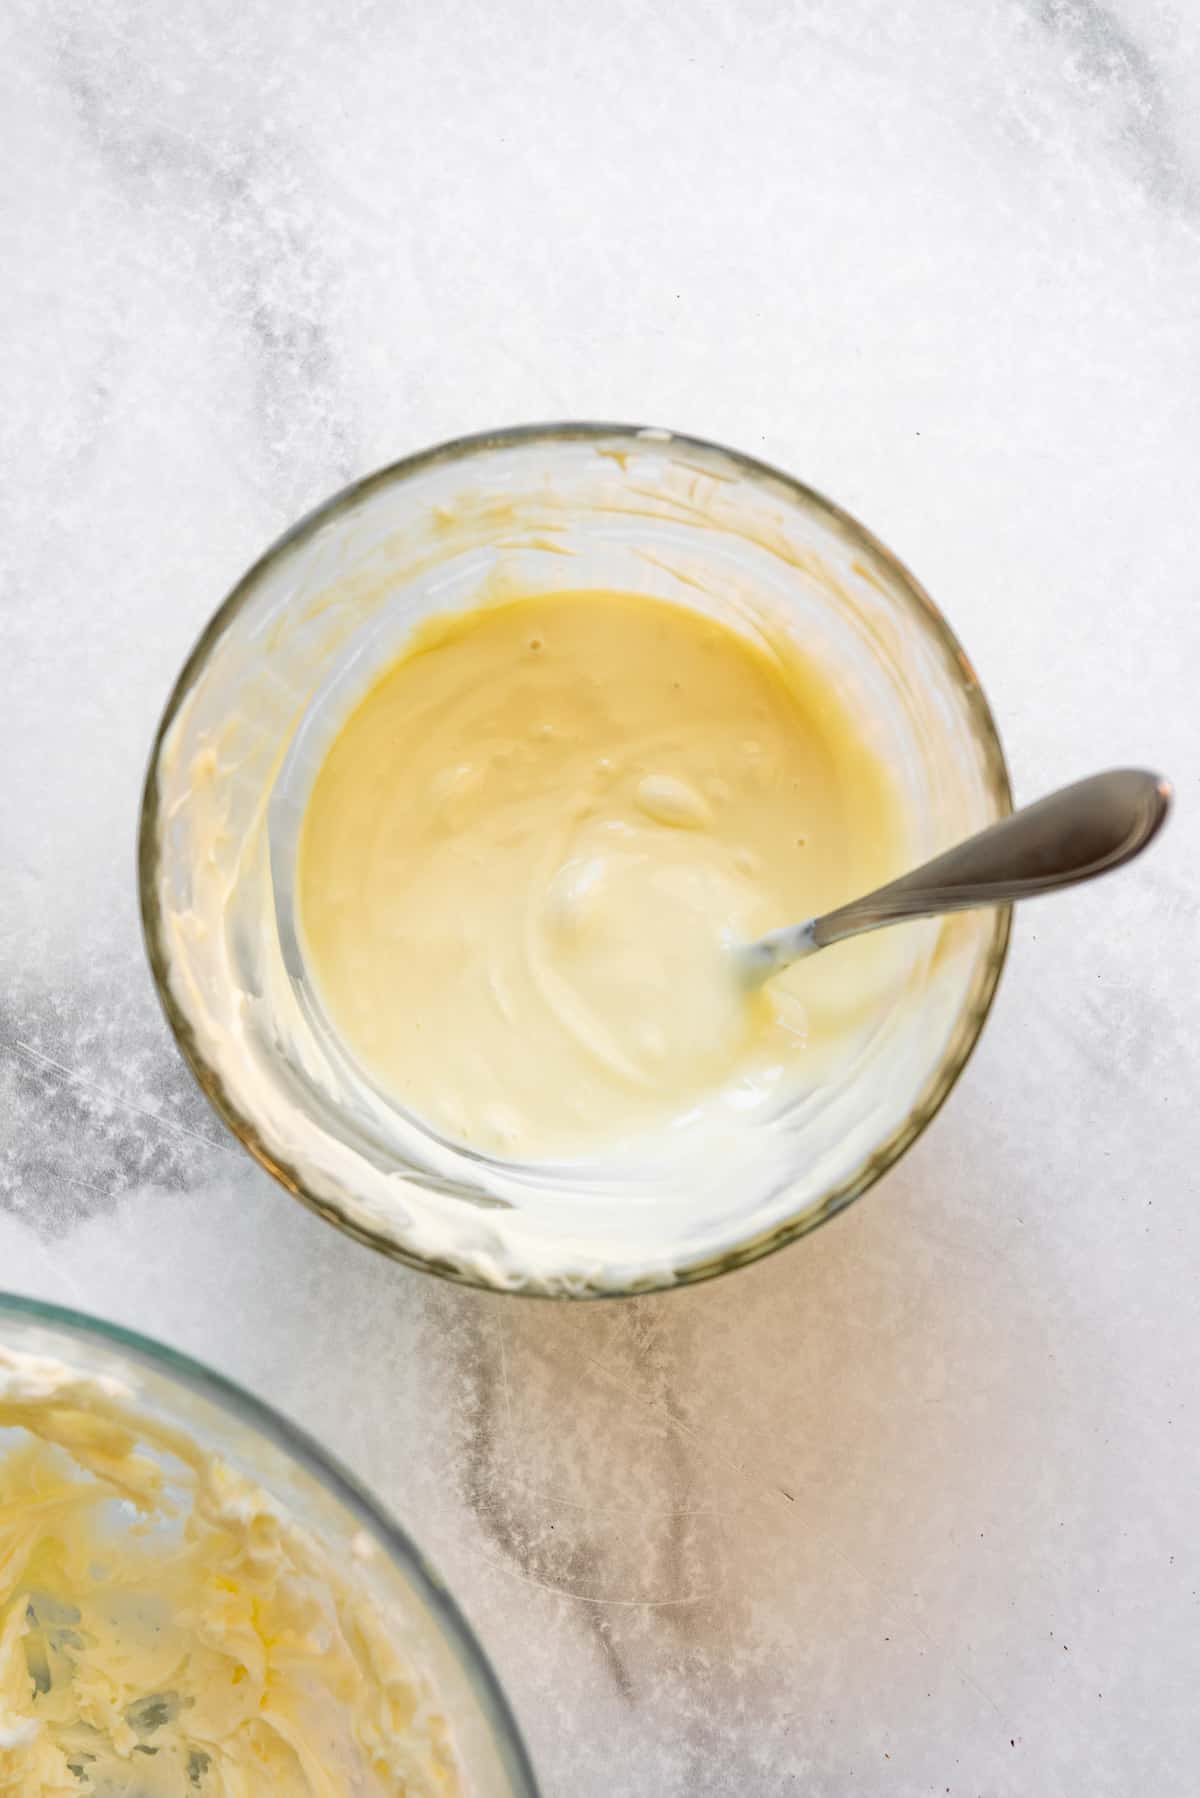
(165, 1631)
(529, 849)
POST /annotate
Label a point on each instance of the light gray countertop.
(910, 1508)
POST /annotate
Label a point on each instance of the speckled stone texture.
(910, 1508)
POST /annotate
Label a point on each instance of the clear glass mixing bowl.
(523, 511)
(362, 1542)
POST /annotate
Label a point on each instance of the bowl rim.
(928, 616)
(298, 1445)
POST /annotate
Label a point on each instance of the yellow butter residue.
(527, 853)
(166, 1630)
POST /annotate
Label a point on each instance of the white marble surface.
(910, 1508)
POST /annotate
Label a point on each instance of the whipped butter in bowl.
(463, 800)
(194, 1600)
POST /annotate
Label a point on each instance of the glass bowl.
(543, 509)
(176, 1400)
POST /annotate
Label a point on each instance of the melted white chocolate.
(529, 849)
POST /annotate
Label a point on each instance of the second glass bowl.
(524, 511)
(153, 1456)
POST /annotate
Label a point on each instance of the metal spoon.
(1080, 831)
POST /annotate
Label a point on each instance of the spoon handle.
(1074, 834)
